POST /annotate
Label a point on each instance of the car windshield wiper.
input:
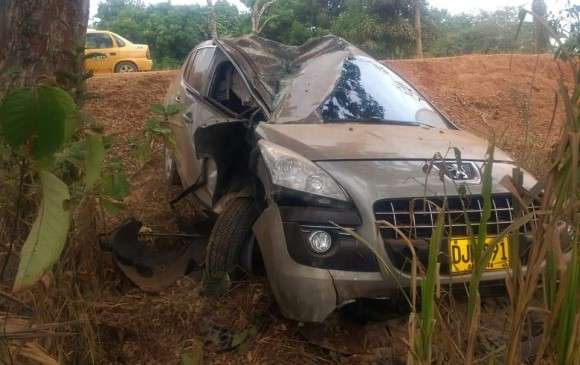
(425, 124)
(381, 121)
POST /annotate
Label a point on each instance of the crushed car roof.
(321, 81)
(271, 66)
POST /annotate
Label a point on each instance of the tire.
(170, 169)
(231, 232)
(125, 66)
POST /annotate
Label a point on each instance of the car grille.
(416, 218)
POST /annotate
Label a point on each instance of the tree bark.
(212, 20)
(540, 32)
(42, 40)
(258, 10)
(418, 37)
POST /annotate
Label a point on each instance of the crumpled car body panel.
(375, 161)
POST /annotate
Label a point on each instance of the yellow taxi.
(109, 52)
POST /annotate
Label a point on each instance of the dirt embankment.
(479, 93)
(123, 104)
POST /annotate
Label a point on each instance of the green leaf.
(194, 355)
(172, 109)
(116, 184)
(156, 127)
(44, 117)
(48, 234)
(427, 316)
(15, 125)
(94, 159)
(143, 151)
(112, 206)
(186, 359)
(158, 109)
(115, 188)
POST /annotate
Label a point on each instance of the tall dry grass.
(551, 272)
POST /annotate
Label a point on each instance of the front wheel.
(231, 231)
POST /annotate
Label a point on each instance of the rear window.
(120, 42)
(369, 92)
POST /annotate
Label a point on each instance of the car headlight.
(290, 170)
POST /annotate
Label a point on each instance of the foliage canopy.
(384, 28)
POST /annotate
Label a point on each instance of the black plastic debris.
(153, 261)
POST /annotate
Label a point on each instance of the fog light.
(320, 241)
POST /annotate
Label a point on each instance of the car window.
(194, 76)
(188, 65)
(99, 40)
(119, 41)
(369, 92)
(229, 89)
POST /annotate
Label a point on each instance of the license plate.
(461, 257)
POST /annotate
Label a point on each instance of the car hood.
(369, 181)
(351, 141)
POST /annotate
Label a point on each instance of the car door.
(195, 110)
(101, 52)
(120, 48)
(180, 124)
(229, 102)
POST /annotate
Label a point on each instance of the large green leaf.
(94, 159)
(48, 233)
(44, 117)
(115, 188)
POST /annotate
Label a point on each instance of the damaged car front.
(293, 146)
(351, 144)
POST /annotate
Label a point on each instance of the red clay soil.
(123, 105)
(479, 93)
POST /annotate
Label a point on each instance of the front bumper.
(303, 293)
(310, 291)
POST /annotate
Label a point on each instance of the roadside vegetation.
(383, 28)
(63, 177)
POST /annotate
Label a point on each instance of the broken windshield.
(369, 92)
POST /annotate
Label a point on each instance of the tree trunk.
(540, 32)
(212, 20)
(42, 40)
(418, 38)
(258, 10)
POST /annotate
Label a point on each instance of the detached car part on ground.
(281, 143)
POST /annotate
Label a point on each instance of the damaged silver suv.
(278, 145)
